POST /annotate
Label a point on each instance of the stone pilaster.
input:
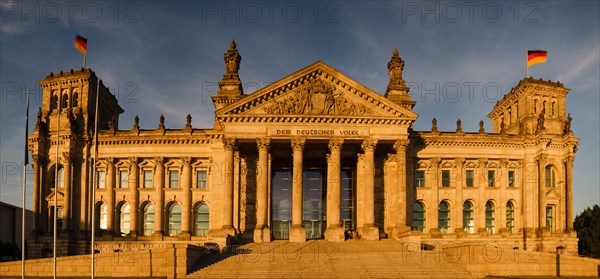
(569, 192)
(36, 192)
(262, 232)
(334, 231)
(66, 224)
(297, 232)
(370, 231)
(229, 145)
(186, 200)
(110, 200)
(542, 159)
(159, 182)
(133, 183)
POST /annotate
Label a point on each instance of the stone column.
(297, 233)
(400, 147)
(159, 183)
(36, 192)
(186, 198)
(502, 183)
(230, 145)
(134, 173)
(66, 225)
(334, 231)
(542, 159)
(262, 232)
(370, 231)
(569, 192)
(110, 201)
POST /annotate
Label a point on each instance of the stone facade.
(313, 155)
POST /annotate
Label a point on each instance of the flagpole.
(25, 162)
(526, 62)
(56, 179)
(85, 56)
(94, 176)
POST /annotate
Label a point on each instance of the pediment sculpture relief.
(317, 98)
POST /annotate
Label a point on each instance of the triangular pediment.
(59, 198)
(317, 91)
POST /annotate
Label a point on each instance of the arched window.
(103, 216)
(418, 223)
(174, 219)
(544, 107)
(490, 218)
(148, 219)
(201, 219)
(124, 221)
(54, 101)
(510, 216)
(444, 217)
(534, 106)
(550, 177)
(65, 100)
(75, 100)
(61, 177)
(468, 222)
(553, 108)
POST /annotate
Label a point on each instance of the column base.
(401, 231)
(224, 232)
(297, 234)
(262, 235)
(335, 234)
(370, 232)
(184, 235)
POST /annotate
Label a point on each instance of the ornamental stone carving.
(401, 145)
(263, 143)
(298, 144)
(369, 144)
(336, 144)
(230, 143)
(317, 98)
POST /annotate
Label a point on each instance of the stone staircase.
(321, 259)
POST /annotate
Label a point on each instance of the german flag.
(536, 57)
(81, 44)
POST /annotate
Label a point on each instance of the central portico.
(317, 137)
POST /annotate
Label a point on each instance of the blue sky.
(165, 57)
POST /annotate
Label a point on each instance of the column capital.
(66, 158)
(263, 143)
(435, 162)
(298, 144)
(401, 145)
(542, 158)
(569, 159)
(133, 161)
(336, 144)
(369, 144)
(230, 143)
(482, 162)
(504, 162)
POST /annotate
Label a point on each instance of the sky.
(166, 57)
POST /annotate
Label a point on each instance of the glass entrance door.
(281, 202)
(314, 200)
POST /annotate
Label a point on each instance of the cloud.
(581, 63)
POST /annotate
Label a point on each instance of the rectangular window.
(148, 179)
(101, 180)
(201, 179)
(173, 179)
(469, 178)
(123, 179)
(420, 179)
(549, 222)
(511, 178)
(491, 176)
(445, 178)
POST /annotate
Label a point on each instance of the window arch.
(124, 221)
(444, 217)
(148, 219)
(550, 177)
(75, 100)
(174, 219)
(54, 101)
(510, 216)
(418, 223)
(535, 104)
(65, 100)
(553, 108)
(102, 216)
(490, 218)
(544, 107)
(468, 221)
(201, 220)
